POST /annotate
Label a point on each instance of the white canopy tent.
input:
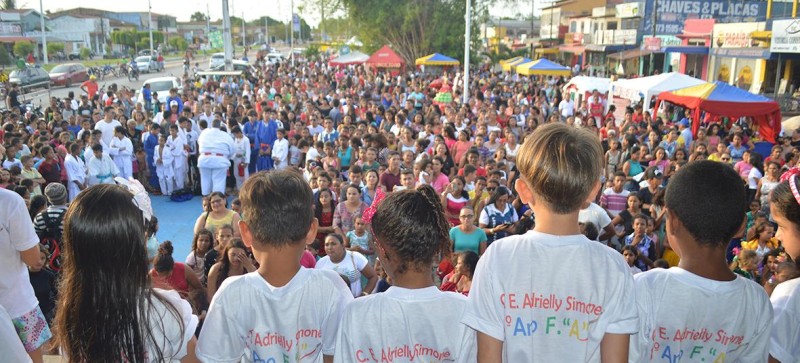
(354, 57)
(584, 84)
(646, 88)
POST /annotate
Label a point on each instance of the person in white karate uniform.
(76, 171)
(102, 169)
(121, 151)
(96, 139)
(241, 155)
(216, 151)
(177, 145)
(163, 160)
(280, 150)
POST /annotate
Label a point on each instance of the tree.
(22, 48)
(53, 48)
(415, 28)
(198, 16)
(9, 4)
(86, 53)
(324, 8)
(5, 58)
(178, 43)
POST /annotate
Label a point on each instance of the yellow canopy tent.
(436, 59)
(543, 67)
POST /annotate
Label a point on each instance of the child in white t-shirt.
(360, 240)
(281, 312)
(525, 303)
(700, 310)
(784, 204)
(630, 253)
(413, 320)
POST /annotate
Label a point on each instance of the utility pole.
(244, 33)
(291, 32)
(44, 33)
(208, 25)
(150, 25)
(266, 30)
(468, 21)
(226, 36)
(652, 54)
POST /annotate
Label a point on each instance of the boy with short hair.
(526, 302)
(615, 199)
(281, 310)
(701, 310)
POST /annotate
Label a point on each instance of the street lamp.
(150, 25)
(44, 33)
(465, 92)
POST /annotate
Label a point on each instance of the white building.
(78, 31)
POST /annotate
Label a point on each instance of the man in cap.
(173, 96)
(216, 151)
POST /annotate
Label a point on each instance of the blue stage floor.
(176, 221)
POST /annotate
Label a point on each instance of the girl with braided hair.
(411, 232)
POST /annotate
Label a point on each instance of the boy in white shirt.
(700, 310)
(525, 302)
(121, 151)
(280, 150)
(413, 316)
(177, 145)
(282, 310)
(165, 169)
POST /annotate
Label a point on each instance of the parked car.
(162, 85)
(238, 65)
(146, 64)
(216, 60)
(76, 55)
(275, 58)
(67, 74)
(30, 78)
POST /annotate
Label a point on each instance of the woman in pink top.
(439, 180)
(460, 148)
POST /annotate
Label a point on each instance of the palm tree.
(8, 4)
(504, 52)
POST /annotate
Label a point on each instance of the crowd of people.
(349, 216)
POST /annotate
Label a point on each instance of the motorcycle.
(133, 72)
(123, 69)
(107, 69)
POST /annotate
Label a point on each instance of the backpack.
(181, 195)
(51, 239)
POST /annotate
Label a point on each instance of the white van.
(216, 60)
(275, 58)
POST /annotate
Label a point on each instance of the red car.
(68, 74)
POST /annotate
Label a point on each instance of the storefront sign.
(628, 10)
(671, 14)
(785, 36)
(10, 29)
(734, 35)
(652, 44)
(747, 53)
(624, 36)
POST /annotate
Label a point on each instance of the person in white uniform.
(280, 150)
(241, 156)
(163, 160)
(216, 152)
(76, 171)
(180, 155)
(121, 151)
(413, 315)
(101, 169)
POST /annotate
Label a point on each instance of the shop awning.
(553, 50)
(687, 49)
(631, 53)
(14, 39)
(574, 49)
(611, 48)
(747, 53)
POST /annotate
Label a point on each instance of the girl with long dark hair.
(107, 311)
(232, 262)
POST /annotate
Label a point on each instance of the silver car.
(146, 64)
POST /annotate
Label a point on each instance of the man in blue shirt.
(173, 96)
(147, 96)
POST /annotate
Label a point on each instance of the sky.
(182, 9)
